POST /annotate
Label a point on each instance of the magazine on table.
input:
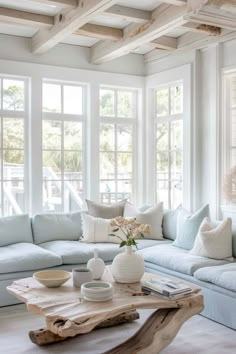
(166, 287)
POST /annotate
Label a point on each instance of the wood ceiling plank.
(175, 2)
(25, 18)
(202, 28)
(218, 20)
(100, 32)
(165, 42)
(61, 3)
(68, 22)
(167, 20)
(128, 14)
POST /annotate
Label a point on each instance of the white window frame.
(166, 119)
(115, 120)
(225, 138)
(181, 74)
(25, 116)
(65, 117)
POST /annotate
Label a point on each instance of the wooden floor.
(197, 336)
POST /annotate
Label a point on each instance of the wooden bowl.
(52, 278)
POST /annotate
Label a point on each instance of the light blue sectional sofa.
(52, 241)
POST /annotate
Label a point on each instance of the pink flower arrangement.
(131, 229)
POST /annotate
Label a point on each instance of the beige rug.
(197, 336)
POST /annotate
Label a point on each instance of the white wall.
(70, 56)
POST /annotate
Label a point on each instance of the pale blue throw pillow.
(169, 223)
(187, 227)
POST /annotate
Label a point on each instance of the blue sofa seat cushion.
(53, 227)
(15, 229)
(76, 252)
(224, 276)
(177, 259)
(22, 257)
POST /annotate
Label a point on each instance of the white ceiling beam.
(128, 14)
(100, 32)
(67, 22)
(32, 19)
(25, 18)
(60, 3)
(188, 42)
(168, 19)
(164, 42)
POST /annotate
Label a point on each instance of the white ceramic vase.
(96, 265)
(127, 267)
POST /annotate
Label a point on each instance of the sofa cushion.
(224, 275)
(151, 215)
(15, 229)
(177, 259)
(99, 230)
(214, 242)
(22, 257)
(76, 252)
(187, 227)
(52, 227)
(169, 223)
(98, 210)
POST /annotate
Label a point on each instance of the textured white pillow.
(98, 230)
(152, 215)
(214, 242)
(98, 210)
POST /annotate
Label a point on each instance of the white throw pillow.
(214, 242)
(152, 216)
(98, 230)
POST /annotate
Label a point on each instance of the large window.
(13, 121)
(169, 144)
(117, 139)
(229, 170)
(64, 112)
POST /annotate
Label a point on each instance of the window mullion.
(116, 160)
(2, 194)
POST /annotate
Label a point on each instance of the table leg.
(158, 331)
(45, 337)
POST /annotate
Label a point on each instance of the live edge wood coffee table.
(67, 315)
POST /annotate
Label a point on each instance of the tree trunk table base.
(67, 315)
(44, 336)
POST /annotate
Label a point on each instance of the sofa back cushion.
(53, 227)
(15, 229)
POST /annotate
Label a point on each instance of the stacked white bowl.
(96, 291)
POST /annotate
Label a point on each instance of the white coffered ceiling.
(112, 28)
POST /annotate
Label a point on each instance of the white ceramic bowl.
(96, 291)
(52, 278)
